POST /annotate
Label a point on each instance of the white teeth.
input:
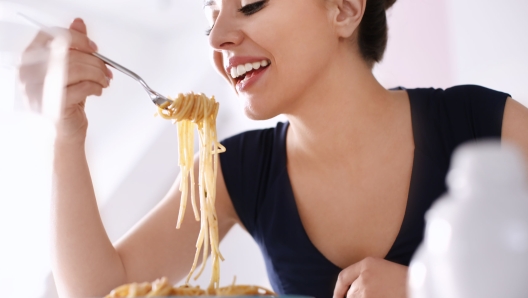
(240, 70)
(248, 66)
(243, 68)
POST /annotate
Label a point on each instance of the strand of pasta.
(198, 110)
(188, 111)
(161, 287)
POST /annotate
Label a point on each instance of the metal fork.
(156, 97)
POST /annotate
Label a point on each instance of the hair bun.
(389, 3)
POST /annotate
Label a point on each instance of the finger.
(34, 96)
(79, 72)
(77, 93)
(32, 73)
(37, 51)
(77, 33)
(355, 289)
(41, 40)
(79, 26)
(90, 60)
(345, 279)
(81, 42)
(35, 73)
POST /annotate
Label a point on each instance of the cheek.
(298, 39)
(300, 44)
(218, 63)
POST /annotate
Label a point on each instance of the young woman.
(335, 197)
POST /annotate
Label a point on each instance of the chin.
(255, 112)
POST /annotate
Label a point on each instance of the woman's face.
(272, 52)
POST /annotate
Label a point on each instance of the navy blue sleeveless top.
(256, 177)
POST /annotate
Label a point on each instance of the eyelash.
(246, 10)
(253, 7)
(208, 31)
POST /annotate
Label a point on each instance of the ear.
(346, 15)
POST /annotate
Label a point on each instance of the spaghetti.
(188, 111)
(161, 287)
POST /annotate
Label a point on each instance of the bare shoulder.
(515, 125)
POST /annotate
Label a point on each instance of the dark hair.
(372, 35)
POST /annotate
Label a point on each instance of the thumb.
(346, 278)
(79, 26)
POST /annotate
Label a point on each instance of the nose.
(226, 32)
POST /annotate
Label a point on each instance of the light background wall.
(433, 43)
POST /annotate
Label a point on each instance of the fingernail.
(110, 74)
(93, 45)
(107, 81)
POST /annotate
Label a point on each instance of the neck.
(346, 105)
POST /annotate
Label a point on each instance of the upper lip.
(239, 60)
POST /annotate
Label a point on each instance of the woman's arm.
(84, 261)
(515, 126)
(155, 248)
(86, 264)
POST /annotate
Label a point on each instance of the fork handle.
(121, 69)
(106, 60)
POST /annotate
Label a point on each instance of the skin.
(84, 261)
(364, 165)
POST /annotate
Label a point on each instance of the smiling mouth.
(246, 71)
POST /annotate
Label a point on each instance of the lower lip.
(245, 84)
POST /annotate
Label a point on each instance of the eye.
(211, 11)
(208, 31)
(253, 7)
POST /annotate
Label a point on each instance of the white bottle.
(476, 238)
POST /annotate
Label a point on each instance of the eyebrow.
(209, 3)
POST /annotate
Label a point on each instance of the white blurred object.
(25, 192)
(26, 154)
(476, 238)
